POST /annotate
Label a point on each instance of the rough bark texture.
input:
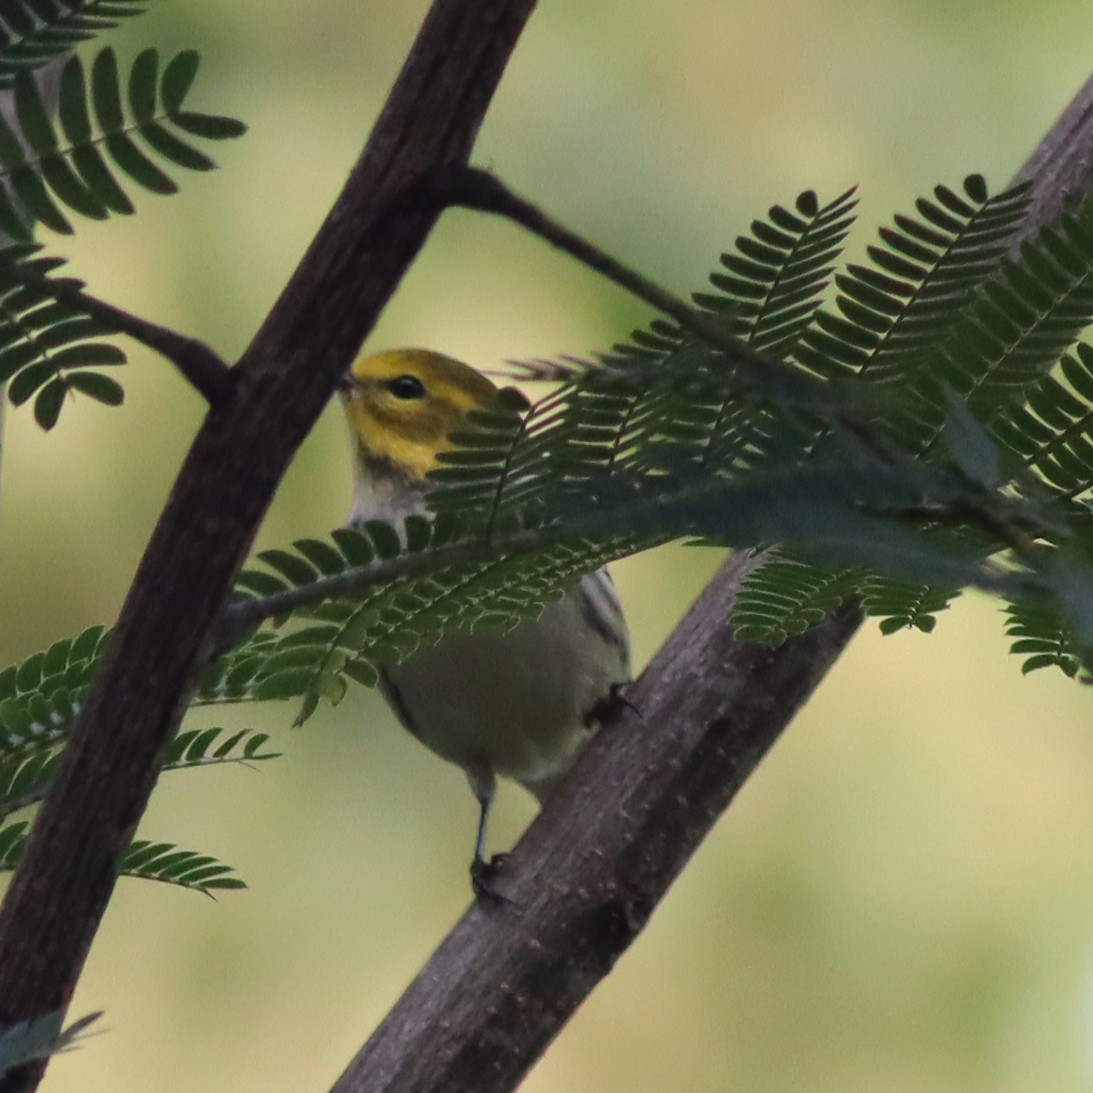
(283, 381)
(1061, 168)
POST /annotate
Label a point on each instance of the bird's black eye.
(406, 387)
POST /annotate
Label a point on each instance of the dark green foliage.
(938, 315)
(24, 780)
(774, 281)
(875, 496)
(903, 604)
(84, 160)
(13, 838)
(893, 312)
(107, 134)
(908, 441)
(206, 747)
(165, 862)
(786, 596)
(1042, 637)
(490, 469)
(1051, 433)
(39, 700)
(34, 32)
(47, 348)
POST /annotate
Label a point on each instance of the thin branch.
(474, 188)
(206, 372)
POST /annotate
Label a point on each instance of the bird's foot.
(484, 872)
(609, 705)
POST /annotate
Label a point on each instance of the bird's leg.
(485, 800)
(483, 870)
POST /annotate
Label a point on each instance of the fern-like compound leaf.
(24, 780)
(1051, 433)
(185, 868)
(107, 134)
(773, 281)
(47, 348)
(344, 637)
(28, 1041)
(40, 697)
(144, 859)
(902, 604)
(213, 747)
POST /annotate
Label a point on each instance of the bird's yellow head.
(401, 407)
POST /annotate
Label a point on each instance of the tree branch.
(474, 188)
(588, 873)
(286, 376)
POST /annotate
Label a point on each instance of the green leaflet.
(108, 135)
(345, 635)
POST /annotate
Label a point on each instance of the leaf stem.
(242, 616)
(474, 188)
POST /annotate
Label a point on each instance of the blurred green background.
(902, 897)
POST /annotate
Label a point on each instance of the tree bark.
(281, 384)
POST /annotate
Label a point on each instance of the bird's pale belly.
(516, 702)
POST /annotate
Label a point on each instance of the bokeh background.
(902, 897)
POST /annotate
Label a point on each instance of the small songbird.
(521, 702)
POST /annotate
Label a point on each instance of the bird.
(517, 703)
